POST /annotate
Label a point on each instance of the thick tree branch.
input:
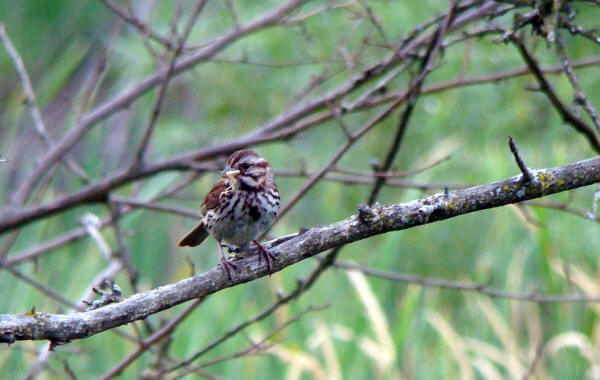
(292, 249)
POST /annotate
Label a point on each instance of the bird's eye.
(245, 165)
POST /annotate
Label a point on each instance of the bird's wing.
(212, 198)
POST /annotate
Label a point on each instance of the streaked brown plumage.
(242, 205)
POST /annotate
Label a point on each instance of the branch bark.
(291, 249)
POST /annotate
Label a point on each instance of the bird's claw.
(268, 256)
(227, 266)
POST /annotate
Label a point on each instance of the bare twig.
(41, 287)
(563, 207)
(579, 95)
(376, 23)
(97, 73)
(157, 207)
(80, 233)
(412, 96)
(519, 160)
(591, 35)
(138, 24)
(156, 337)
(391, 173)
(122, 253)
(479, 288)
(96, 193)
(143, 146)
(255, 346)
(547, 89)
(483, 79)
(303, 17)
(75, 134)
(32, 102)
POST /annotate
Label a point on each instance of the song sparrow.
(241, 205)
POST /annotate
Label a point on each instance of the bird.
(240, 207)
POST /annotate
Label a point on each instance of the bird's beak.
(229, 173)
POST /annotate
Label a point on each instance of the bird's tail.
(195, 237)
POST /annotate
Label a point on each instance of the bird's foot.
(227, 266)
(231, 248)
(264, 253)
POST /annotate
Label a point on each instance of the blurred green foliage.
(60, 41)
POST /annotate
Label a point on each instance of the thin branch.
(303, 17)
(479, 288)
(412, 96)
(32, 102)
(302, 287)
(143, 146)
(483, 79)
(244, 60)
(255, 346)
(114, 104)
(137, 23)
(563, 207)
(579, 95)
(98, 191)
(392, 173)
(80, 233)
(379, 219)
(547, 89)
(156, 337)
(122, 253)
(98, 73)
(591, 35)
(41, 287)
(27, 87)
(375, 22)
(157, 207)
(519, 160)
